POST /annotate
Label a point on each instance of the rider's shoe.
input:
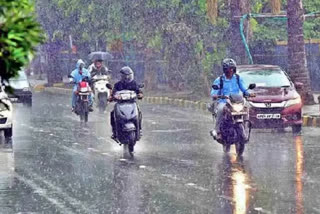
(216, 136)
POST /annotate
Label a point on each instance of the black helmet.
(126, 74)
(229, 63)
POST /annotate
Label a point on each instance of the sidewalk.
(39, 84)
(312, 110)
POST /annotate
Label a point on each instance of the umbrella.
(99, 55)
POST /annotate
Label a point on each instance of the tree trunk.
(238, 8)
(296, 49)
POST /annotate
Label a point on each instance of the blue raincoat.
(230, 86)
(77, 77)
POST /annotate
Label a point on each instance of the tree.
(20, 33)
(237, 8)
(296, 48)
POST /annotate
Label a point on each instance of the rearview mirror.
(215, 87)
(252, 86)
(141, 85)
(109, 86)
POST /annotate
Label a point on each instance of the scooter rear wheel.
(240, 148)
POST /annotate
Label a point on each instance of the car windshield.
(20, 77)
(265, 78)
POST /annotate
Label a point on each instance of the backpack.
(221, 82)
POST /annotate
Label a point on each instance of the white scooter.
(101, 92)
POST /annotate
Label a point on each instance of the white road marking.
(42, 192)
(195, 186)
(93, 150)
(73, 201)
(170, 130)
(261, 210)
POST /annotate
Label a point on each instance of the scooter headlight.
(238, 107)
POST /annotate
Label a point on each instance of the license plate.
(238, 113)
(268, 116)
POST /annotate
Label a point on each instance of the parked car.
(277, 103)
(5, 114)
(21, 88)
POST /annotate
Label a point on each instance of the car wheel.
(296, 129)
(29, 101)
(8, 133)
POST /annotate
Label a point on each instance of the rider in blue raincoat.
(230, 83)
(77, 75)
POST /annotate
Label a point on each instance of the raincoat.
(77, 77)
(230, 86)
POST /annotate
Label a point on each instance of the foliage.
(178, 31)
(19, 35)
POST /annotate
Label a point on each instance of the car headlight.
(26, 89)
(237, 107)
(294, 101)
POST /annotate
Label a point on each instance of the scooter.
(235, 127)
(83, 99)
(82, 104)
(126, 118)
(101, 91)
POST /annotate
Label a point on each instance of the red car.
(277, 103)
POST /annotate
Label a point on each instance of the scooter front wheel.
(226, 148)
(132, 141)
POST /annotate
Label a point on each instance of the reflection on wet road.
(55, 164)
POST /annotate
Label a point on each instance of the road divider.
(309, 120)
(177, 102)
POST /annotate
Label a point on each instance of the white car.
(5, 114)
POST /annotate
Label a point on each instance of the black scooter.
(126, 118)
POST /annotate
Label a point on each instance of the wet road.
(58, 165)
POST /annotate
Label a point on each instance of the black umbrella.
(99, 55)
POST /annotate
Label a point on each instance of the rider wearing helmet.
(127, 82)
(229, 83)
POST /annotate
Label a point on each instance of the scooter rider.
(229, 83)
(97, 67)
(127, 82)
(77, 76)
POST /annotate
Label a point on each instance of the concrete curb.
(311, 121)
(56, 90)
(308, 120)
(177, 102)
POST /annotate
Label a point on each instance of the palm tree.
(296, 49)
(237, 8)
